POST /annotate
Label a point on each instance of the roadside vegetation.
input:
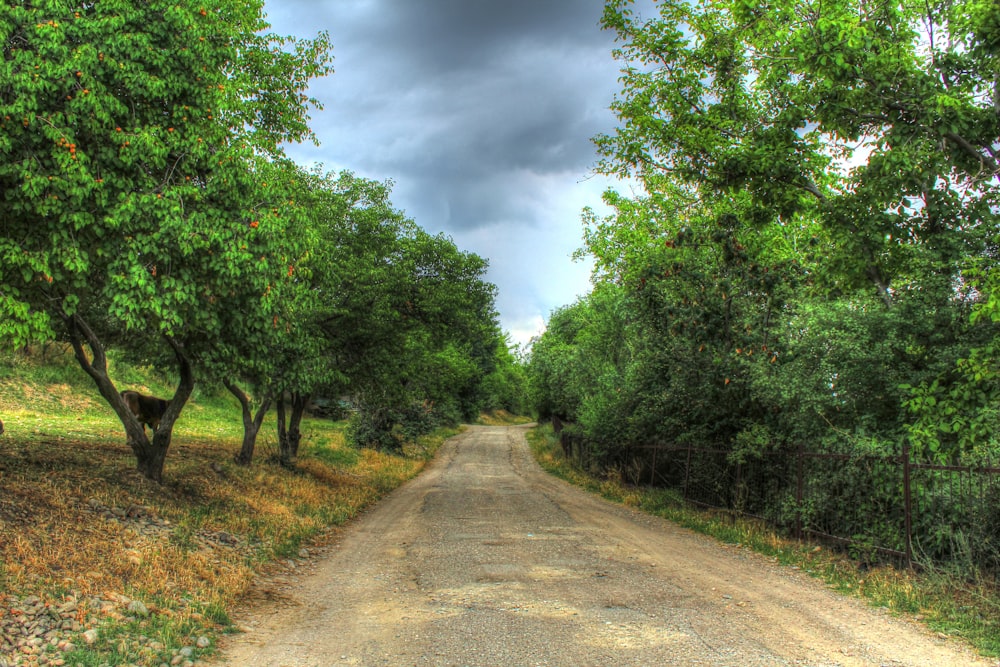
(155, 238)
(947, 604)
(150, 212)
(795, 311)
(154, 570)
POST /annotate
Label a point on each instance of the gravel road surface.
(485, 560)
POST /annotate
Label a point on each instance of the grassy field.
(99, 566)
(958, 607)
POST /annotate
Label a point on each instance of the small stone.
(90, 636)
(138, 608)
(203, 642)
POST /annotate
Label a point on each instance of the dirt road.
(486, 560)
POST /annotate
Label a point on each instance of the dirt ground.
(486, 560)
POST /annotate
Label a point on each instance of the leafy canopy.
(130, 136)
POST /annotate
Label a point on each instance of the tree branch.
(813, 190)
(984, 160)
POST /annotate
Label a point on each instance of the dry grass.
(77, 520)
(55, 541)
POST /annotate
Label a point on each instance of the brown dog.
(147, 409)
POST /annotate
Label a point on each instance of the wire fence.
(876, 507)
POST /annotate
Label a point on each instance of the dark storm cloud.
(482, 113)
(442, 35)
(456, 93)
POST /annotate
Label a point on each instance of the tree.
(506, 387)
(346, 319)
(265, 325)
(452, 308)
(850, 146)
(876, 120)
(130, 140)
(552, 367)
(438, 346)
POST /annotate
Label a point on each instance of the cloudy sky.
(482, 113)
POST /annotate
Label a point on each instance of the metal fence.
(877, 507)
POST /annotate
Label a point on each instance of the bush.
(389, 429)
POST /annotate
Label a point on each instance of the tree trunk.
(289, 438)
(150, 455)
(299, 402)
(874, 274)
(251, 423)
(282, 428)
(153, 459)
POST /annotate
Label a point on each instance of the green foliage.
(505, 388)
(391, 428)
(833, 113)
(129, 132)
(149, 209)
(954, 415)
(387, 313)
(811, 258)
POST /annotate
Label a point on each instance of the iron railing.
(877, 506)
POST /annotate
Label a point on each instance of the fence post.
(907, 505)
(652, 467)
(737, 501)
(799, 486)
(687, 471)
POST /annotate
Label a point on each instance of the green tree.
(453, 309)
(552, 363)
(440, 344)
(849, 146)
(506, 387)
(355, 313)
(876, 120)
(267, 322)
(130, 140)
(704, 301)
